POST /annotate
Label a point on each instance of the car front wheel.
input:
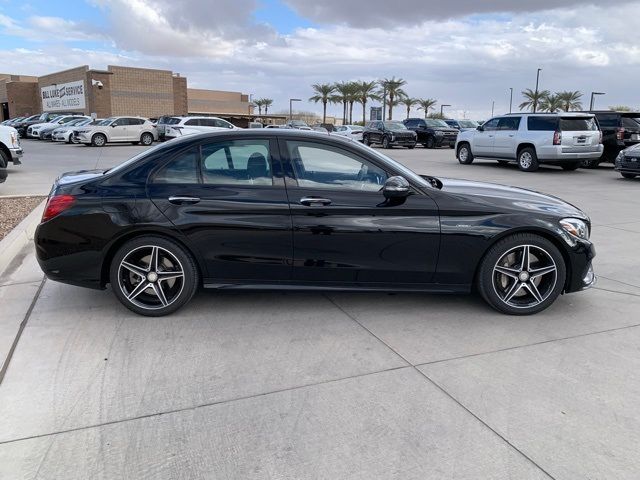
(98, 140)
(153, 276)
(431, 142)
(464, 154)
(522, 274)
(628, 175)
(528, 160)
(385, 143)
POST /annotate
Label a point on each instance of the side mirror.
(396, 187)
(480, 128)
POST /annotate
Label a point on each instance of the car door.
(483, 140)
(134, 129)
(118, 130)
(505, 139)
(229, 200)
(344, 231)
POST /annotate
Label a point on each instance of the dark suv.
(432, 132)
(619, 131)
(388, 134)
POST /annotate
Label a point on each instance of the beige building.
(18, 94)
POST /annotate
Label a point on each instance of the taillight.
(557, 138)
(56, 205)
(620, 133)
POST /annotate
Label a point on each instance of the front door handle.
(315, 201)
(176, 200)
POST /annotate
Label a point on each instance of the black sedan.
(286, 209)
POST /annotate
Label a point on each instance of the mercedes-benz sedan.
(285, 209)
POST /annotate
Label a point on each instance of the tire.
(385, 142)
(464, 154)
(411, 147)
(528, 160)
(127, 281)
(98, 140)
(146, 139)
(628, 175)
(431, 142)
(4, 159)
(570, 167)
(590, 163)
(365, 140)
(511, 290)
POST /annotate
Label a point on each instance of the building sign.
(63, 96)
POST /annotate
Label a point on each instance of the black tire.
(385, 142)
(464, 154)
(495, 287)
(4, 159)
(147, 303)
(411, 147)
(98, 140)
(431, 142)
(365, 140)
(569, 167)
(528, 160)
(628, 175)
(590, 162)
(146, 139)
(503, 162)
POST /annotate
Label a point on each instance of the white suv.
(10, 148)
(192, 125)
(529, 139)
(117, 129)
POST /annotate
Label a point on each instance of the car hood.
(513, 198)
(633, 150)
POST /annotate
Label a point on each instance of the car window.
(182, 169)
(193, 121)
(509, 123)
(631, 122)
(323, 166)
(237, 162)
(542, 124)
(607, 121)
(120, 122)
(578, 124)
(136, 121)
(491, 124)
(221, 123)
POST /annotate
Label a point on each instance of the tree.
(408, 102)
(551, 103)
(570, 100)
(343, 94)
(259, 102)
(426, 104)
(352, 97)
(393, 89)
(620, 108)
(533, 99)
(267, 102)
(324, 94)
(366, 92)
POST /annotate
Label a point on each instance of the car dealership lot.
(300, 385)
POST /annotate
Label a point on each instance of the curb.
(21, 235)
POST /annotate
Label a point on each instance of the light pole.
(442, 109)
(510, 99)
(535, 100)
(291, 100)
(493, 105)
(593, 94)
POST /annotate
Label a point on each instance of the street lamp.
(535, 100)
(593, 94)
(493, 106)
(442, 108)
(510, 99)
(291, 100)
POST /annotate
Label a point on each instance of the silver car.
(118, 129)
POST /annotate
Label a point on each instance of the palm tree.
(533, 99)
(570, 100)
(408, 102)
(267, 102)
(551, 103)
(353, 89)
(259, 103)
(426, 104)
(343, 93)
(324, 94)
(366, 92)
(393, 89)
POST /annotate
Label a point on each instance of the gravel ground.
(13, 210)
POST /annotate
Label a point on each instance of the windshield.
(631, 122)
(394, 126)
(434, 122)
(467, 124)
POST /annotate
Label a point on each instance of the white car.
(193, 125)
(117, 129)
(34, 131)
(65, 132)
(10, 149)
(354, 132)
(528, 139)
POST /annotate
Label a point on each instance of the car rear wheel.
(522, 274)
(153, 276)
(570, 166)
(146, 139)
(98, 140)
(628, 175)
(528, 160)
(464, 154)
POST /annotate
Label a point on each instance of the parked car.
(213, 210)
(462, 125)
(432, 132)
(628, 161)
(389, 134)
(192, 125)
(10, 122)
(46, 131)
(117, 129)
(528, 139)
(619, 131)
(10, 148)
(163, 122)
(21, 125)
(45, 117)
(65, 132)
(36, 130)
(354, 132)
(276, 126)
(298, 124)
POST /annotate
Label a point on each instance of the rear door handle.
(176, 200)
(314, 201)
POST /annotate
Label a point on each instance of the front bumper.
(16, 155)
(580, 274)
(445, 140)
(628, 165)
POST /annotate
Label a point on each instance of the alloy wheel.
(525, 276)
(526, 160)
(151, 277)
(463, 154)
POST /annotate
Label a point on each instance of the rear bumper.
(556, 154)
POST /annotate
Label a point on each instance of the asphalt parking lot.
(341, 385)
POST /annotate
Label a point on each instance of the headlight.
(438, 132)
(575, 227)
(14, 140)
(620, 156)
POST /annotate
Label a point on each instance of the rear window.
(578, 124)
(542, 124)
(631, 122)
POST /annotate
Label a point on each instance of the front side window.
(182, 169)
(221, 123)
(237, 162)
(323, 166)
(491, 124)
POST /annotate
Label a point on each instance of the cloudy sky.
(466, 53)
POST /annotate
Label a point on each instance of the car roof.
(265, 132)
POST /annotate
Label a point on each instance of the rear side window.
(578, 124)
(182, 169)
(631, 122)
(193, 121)
(135, 121)
(607, 121)
(542, 124)
(237, 162)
